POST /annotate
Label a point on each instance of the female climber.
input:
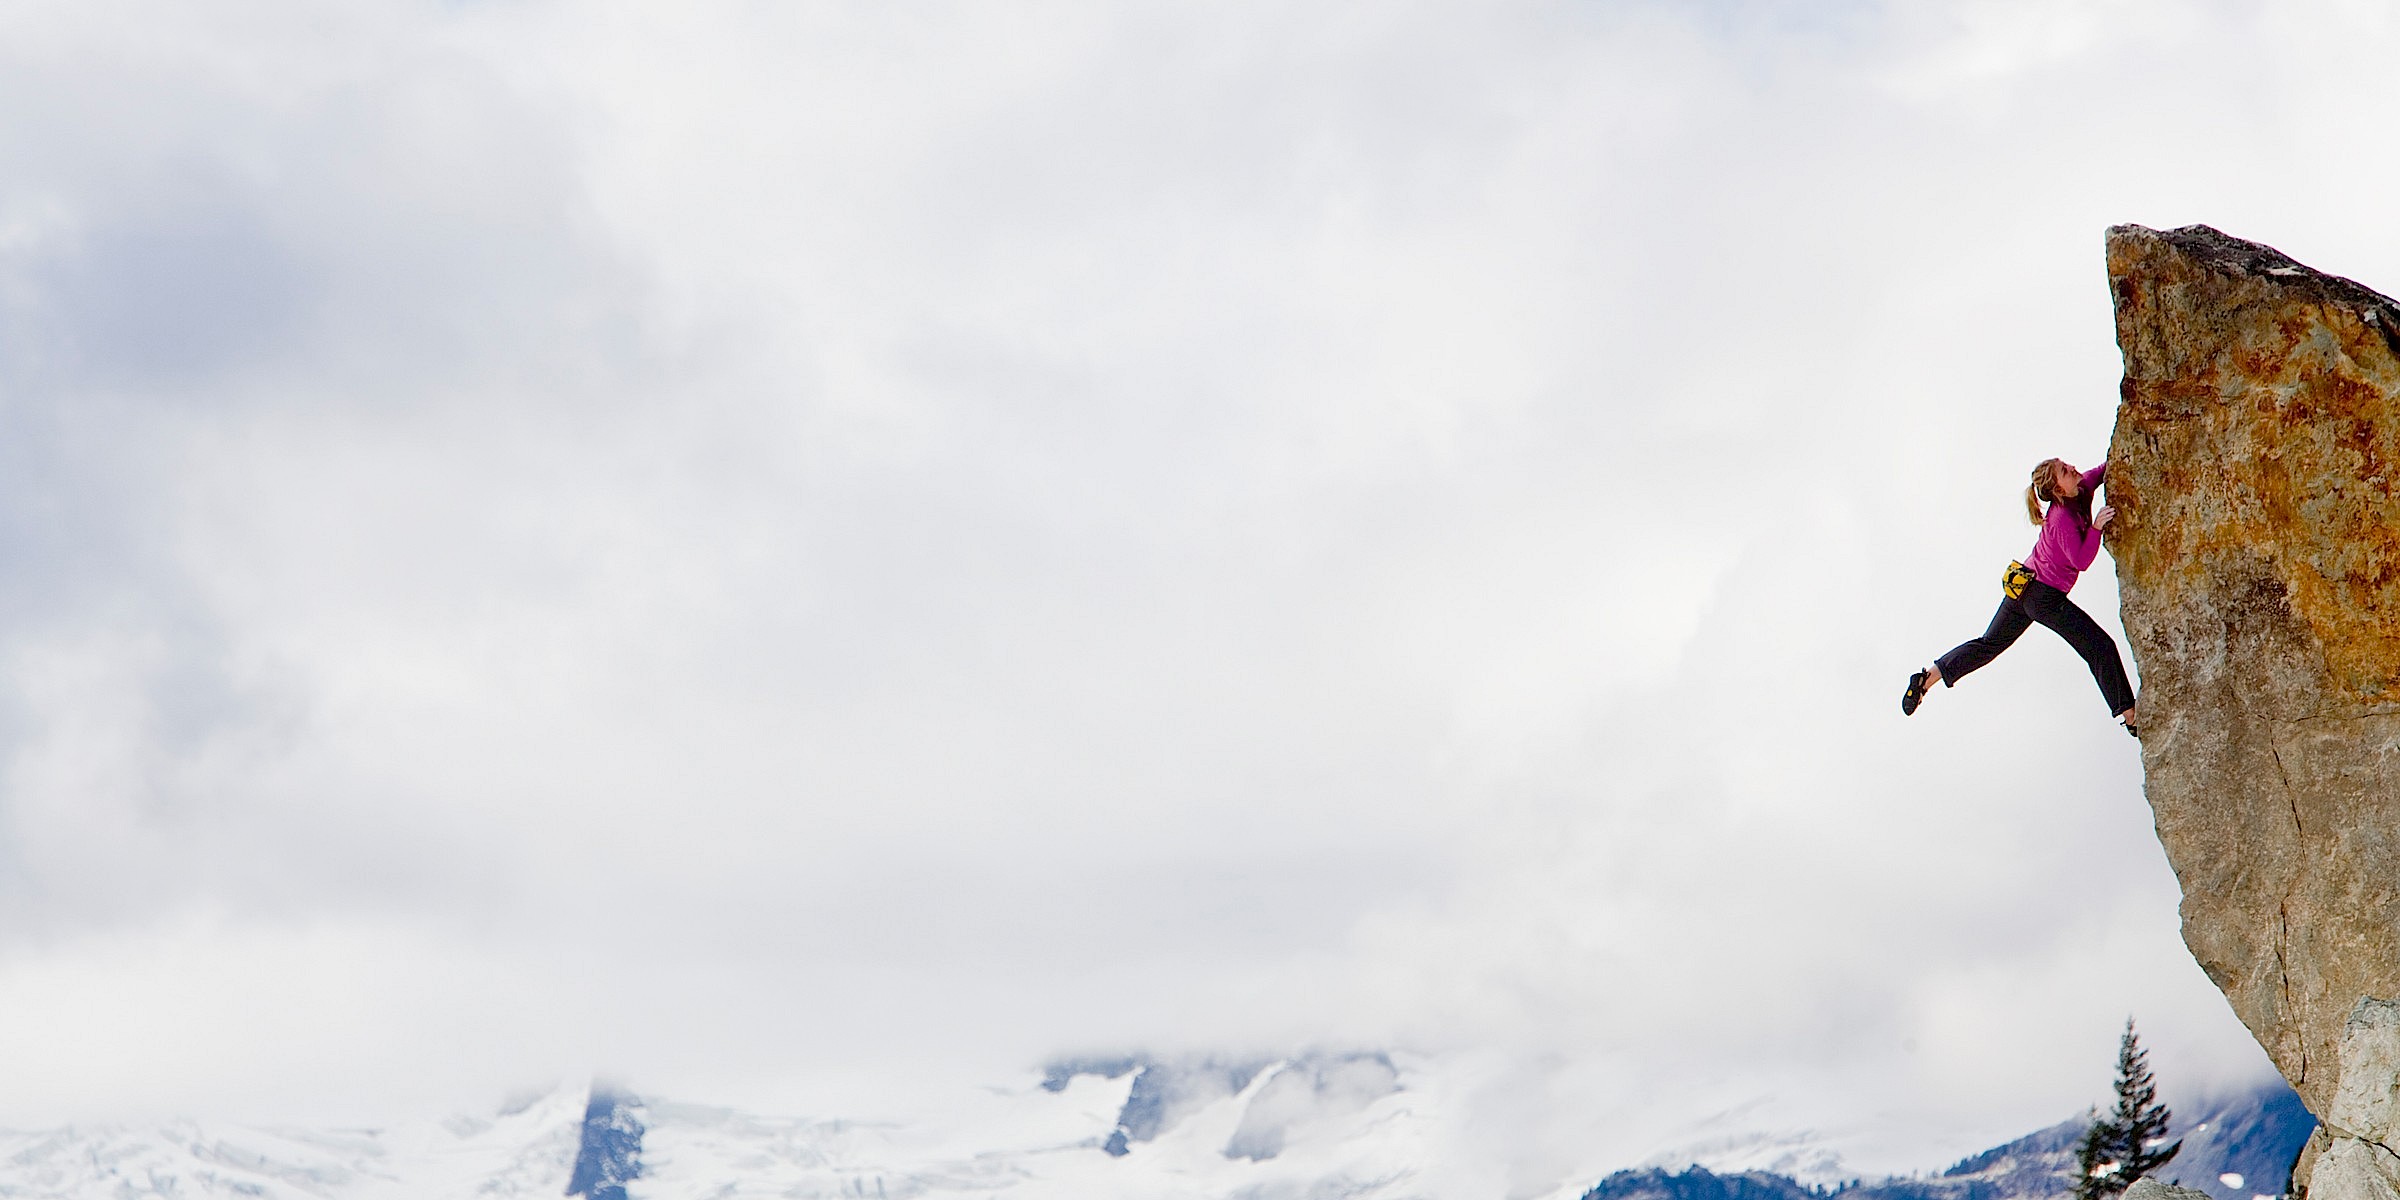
(2036, 590)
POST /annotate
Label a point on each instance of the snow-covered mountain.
(1328, 1126)
(2235, 1147)
(525, 1150)
(1337, 1125)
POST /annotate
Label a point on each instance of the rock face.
(2254, 468)
(2351, 1155)
(2151, 1189)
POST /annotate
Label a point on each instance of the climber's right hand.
(2107, 513)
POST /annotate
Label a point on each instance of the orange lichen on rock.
(2275, 404)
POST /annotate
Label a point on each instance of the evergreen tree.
(2129, 1141)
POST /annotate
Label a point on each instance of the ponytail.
(2041, 491)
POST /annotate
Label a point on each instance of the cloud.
(789, 550)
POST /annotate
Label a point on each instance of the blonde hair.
(2043, 489)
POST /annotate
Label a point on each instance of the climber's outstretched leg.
(2007, 625)
(2051, 607)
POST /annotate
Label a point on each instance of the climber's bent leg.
(2051, 607)
(2006, 625)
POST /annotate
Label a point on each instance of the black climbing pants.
(2050, 607)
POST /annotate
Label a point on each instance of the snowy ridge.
(2237, 1147)
(1324, 1126)
(1805, 1157)
(523, 1151)
(1331, 1126)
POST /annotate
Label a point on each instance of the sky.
(805, 554)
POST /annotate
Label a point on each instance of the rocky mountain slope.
(2254, 467)
(2237, 1147)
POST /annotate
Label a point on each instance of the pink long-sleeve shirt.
(2068, 543)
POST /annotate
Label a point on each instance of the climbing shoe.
(1915, 694)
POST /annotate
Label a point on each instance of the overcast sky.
(794, 553)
